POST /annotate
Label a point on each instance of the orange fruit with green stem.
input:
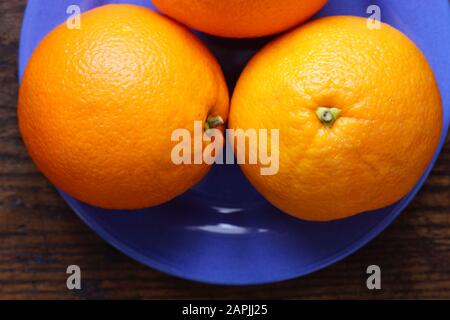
(358, 111)
(240, 18)
(98, 105)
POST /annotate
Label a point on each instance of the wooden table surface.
(40, 236)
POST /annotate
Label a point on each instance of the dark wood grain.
(40, 236)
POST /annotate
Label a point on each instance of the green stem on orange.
(213, 122)
(328, 116)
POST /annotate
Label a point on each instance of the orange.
(98, 105)
(358, 111)
(240, 18)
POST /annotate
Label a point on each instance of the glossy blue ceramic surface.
(222, 231)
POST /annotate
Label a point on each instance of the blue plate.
(222, 231)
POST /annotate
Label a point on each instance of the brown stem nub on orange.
(328, 116)
(213, 122)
